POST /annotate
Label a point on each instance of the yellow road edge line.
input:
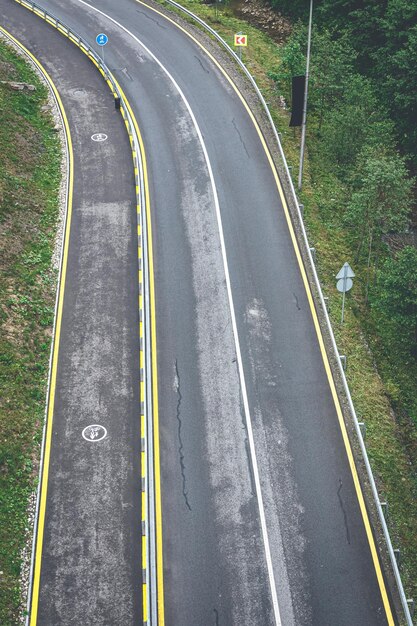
(157, 455)
(54, 364)
(296, 247)
(87, 52)
(145, 602)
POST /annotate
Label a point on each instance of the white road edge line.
(268, 557)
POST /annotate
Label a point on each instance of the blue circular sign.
(102, 39)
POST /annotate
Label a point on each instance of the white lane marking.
(268, 557)
(94, 432)
(99, 137)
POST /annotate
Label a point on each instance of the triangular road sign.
(346, 272)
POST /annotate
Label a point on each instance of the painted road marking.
(314, 315)
(348, 447)
(296, 247)
(99, 137)
(255, 468)
(35, 571)
(94, 432)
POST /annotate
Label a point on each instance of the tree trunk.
(376, 266)
(321, 111)
(359, 250)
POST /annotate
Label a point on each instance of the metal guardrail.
(148, 524)
(87, 49)
(308, 249)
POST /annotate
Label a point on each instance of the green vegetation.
(397, 294)
(383, 34)
(357, 194)
(30, 157)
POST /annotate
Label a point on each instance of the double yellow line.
(155, 404)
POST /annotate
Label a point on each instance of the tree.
(399, 78)
(353, 123)
(383, 34)
(345, 125)
(291, 8)
(361, 20)
(381, 202)
(293, 60)
(397, 292)
(330, 81)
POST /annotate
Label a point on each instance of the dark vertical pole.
(303, 128)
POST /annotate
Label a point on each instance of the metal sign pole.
(101, 40)
(344, 293)
(304, 123)
(344, 284)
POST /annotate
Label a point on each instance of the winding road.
(263, 518)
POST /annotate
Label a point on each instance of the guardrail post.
(313, 253)
(301, 207)
(343, 359)
(362, 426)
(326, 302)
(411, 605)
(397, 553)
(384, 507)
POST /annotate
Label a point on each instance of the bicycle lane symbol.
(94, 432)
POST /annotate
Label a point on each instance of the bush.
(396, 296)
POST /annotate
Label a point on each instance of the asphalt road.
(215, 569)
(91, 561)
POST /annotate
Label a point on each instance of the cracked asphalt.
(180, 442)
(214, 559)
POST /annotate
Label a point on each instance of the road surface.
(238, 355)
(91, 561)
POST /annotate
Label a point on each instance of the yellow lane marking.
(143, 462)
(157, 462)
(58, 322)
(144, 505)
(157, 470)
(87, 52)
(345, 437)
(145, 603)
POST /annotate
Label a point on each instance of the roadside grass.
(30, 157)
(376, 383)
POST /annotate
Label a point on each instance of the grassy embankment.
(30, 157)
(387, 437)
